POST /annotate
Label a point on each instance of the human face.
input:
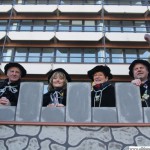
(140, 72)
(58, 81)
(13, 74)
(99, 77)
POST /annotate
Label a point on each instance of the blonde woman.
(56, 95)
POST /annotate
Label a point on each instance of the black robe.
(10, 91)
(145, 94)
(55, 96)
(103, 96)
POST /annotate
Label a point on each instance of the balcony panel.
(5, 8)
(2, 35)
(125, 9)
(35, 8)
(33, 36)
(78, 36)
(123, 37)
(79, 8)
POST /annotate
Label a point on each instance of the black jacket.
(55, 96)
(10, 91)
(103, 96)
(145, 94)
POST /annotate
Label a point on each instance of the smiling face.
(140, 71)
(13, 74)
(99, 77)
(58, 80)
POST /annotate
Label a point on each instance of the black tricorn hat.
(100, 68)
(138, 61)
(51, 72)
(9, 65)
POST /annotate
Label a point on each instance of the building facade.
(73, 34)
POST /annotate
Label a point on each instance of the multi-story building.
(73, 34)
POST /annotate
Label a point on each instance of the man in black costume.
(9, 89)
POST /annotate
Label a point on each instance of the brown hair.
(61, 75)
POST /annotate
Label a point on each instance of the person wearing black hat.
(139, 70)
(56, 95)
(103, 93)
(9, 89)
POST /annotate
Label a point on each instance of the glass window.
(30, 1)
(117, 56)
(34, 54)
(115, 26)
(76, 25)
(8, 54)
(89, 56)
(78, 2)
(128, 26)
(112, 2)
(144, 54)
(75, 55)
(48, 55)
(51, 2)
(63, 25)
(140, 26)
(14, 25)
(51, 25)
(101, 55)
(41, 1)
(65, 2)
(3, 25)
(20, 54)
(6, 1)
(136, 2)
(61, 55)
(89, 26)
(126, 2)
(26, 25)
(38, 25)
(130, 55)
(99, 25)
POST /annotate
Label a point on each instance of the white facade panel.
(5, 8)
(35, 8)
(133, 37)
(125, 9)
(2, 34)
(80, 8)
(33, 36)
(78, 36)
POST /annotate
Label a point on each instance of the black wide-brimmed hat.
(138, 61)
(100, 68)
(21, 68)
(59, 70)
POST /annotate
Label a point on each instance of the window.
(144, 54)
(140, 26)
(51, 25)
(63, 25)
(128, 26)
(89, 26)
(8, 54)
(115, 26)
(38, 25)
(89, 56)
(76, 25)
(26, 25)
(61, 55)
(75, 55)
(48, 55)
(101, 56)
(3, 25)
(117, 56)
(130, 55)
(20, 54)
(34, 55)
